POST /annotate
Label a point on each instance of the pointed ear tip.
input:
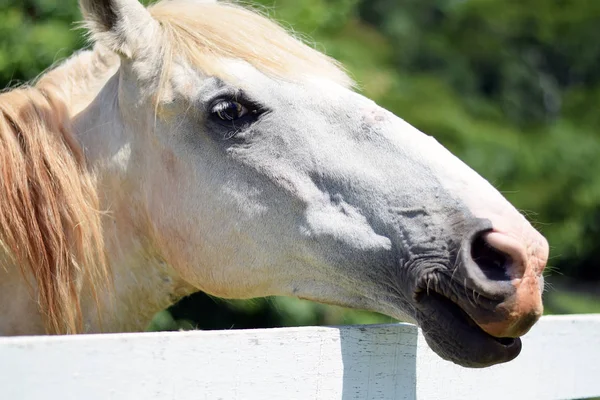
(118, 25)
(101, 13)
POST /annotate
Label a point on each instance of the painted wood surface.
(560, 360)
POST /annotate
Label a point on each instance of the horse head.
(260, 171)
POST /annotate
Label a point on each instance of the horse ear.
(124, 26)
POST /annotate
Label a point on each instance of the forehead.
(236, 75)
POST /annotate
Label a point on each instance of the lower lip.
(467, 344)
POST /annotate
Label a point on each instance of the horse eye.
(229, 111)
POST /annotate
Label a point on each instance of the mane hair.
(205, 33)
(49, 220)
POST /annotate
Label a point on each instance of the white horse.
(199, 146)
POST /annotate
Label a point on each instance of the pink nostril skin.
(527, 257)
(524, 260)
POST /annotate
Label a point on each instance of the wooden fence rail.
(560, 360)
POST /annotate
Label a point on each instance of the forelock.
(204, 33)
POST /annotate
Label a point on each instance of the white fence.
(560, 360)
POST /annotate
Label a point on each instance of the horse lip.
(484, 311)
(478, 299)
(453, 334)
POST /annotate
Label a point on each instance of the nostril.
(493, 263)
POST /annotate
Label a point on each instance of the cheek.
(177, 234)
(207, 260)
(174, 225)
(191, 232)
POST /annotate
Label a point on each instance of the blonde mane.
(205, 33)
(49, 220)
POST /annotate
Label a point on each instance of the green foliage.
(572, 302)
(201, 311)
(510, 86)
(35, 34)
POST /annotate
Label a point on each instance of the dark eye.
(234, 115)
(229, 111)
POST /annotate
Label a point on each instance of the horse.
(198, 146)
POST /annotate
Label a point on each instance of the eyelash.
(235, 114)
(224, 108)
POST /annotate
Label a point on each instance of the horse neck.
(142, 282)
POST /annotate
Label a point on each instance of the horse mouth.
(455, 336)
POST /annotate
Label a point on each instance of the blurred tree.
(35, 34)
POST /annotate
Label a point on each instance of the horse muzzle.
(493, 298)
